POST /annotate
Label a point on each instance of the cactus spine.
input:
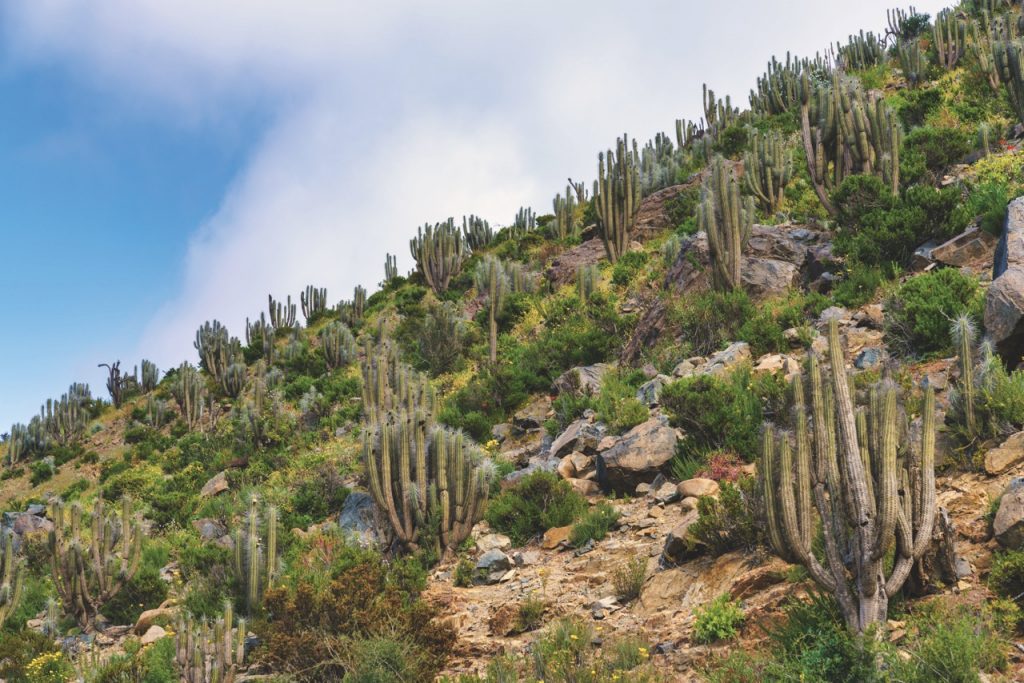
(617, 196)
(767, 169)
(439, 252)
(209, 654)
(727, 219)
(314, 302)
(12, 577)
(493, 282)
(868, 497)
(255, 564)
(338, 344)
(89, 572)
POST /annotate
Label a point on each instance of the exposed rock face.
(638, 457)
(973, 248)
(646, 334)
(1004, 302)
(563, 269)
(724, 361)
(582, 380)
(695, 488)
(209, 529)
(582, 435)
(1010, 453)
(653, 213)
(216, 486)
(679, 546)
(358, 519)
(1008, 525)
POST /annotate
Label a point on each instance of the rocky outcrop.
(1008, 454)
(582, 436)
(215, 486)
(1008, 525)
(973, 249)
(564, 267)
(638, 457)
(358, 519)
(582, 380)
(1004, 302)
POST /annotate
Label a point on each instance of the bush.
(146, 590)
(859, 286)
(719, 620)
(918, 315)
(530, 615)
(594, 525)
(928, 151)
(730, 521)
(949, 645)
(1006, 577)
(628, 578)
(626, 268)
(564, 653)
(42, 471)
(383, 659)
(987, 204)
(540, 501)
(18, 649)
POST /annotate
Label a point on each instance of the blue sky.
(165, 163)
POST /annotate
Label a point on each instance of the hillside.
(747, 408)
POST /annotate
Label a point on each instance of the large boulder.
(680, 545)
(565, 266)
(1008, 454)
(1008, 525)
(215, 486)
(581, 435)
(1004, 302)
(579, 381)
(973, 248)
(638, 457)
(358, 518)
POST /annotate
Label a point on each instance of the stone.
(585, 487)
(679, 545)
(581, 380)
(501, 431)
(697, 487)
(1008, 454)
(216, 486)
(1004, 301)
(649, 392)
(564, 267)
(533, 415)
(868, 359)
(358, 518)
(1008, 525)
(581, 435)
(27, 525)
(555, 537)
(837, 313)
(687, 504)
(666, 493)
(973, 248)
(767, 277)
(639, 456)
(492, 566)
(153, 634)
(489, 542)
(724, 361)
(642, 489)
(688, 367)
(149, 618)
(209, 529)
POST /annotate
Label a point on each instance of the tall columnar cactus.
(26, 440)
(580, 190)
(259, 334)
(727, 218)
(338, 344)
(282, 314)
(617, 196)
(950, 34)
(390, 268)
(718, 114)
(660, 164)
(156, 412)
(1007, 57)
(477, 232)
(234, 379)
(862, 51)
(870, 497)
(150, 375)
(12, 576)
(587, 278)
(981, 46)
(912, 60)
(525, 221)
(314, 302)
(768, 168)
(115, 382)
(419, 474)
(217, 351)
(64, 420)
(358, 303)
(439, 252)
(965, 335)
(189, 392)
(492, 281)
(256, 560)
(984, 138)
(565, 215)
(89, 570)
(390, 386)
(778, 90)
(205, 653)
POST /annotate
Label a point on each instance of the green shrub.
(530, 614)
(928, 151)
(986, 203)
(1006, 577)
(594, 525)
(628, 578)
(682, 210)
(18, 649)
(720, 619)
(626, 268)
(464, 573)
(41, 471)
(708, 320)
(914, 105)
(918, 314)
(538, 502)
(146, 590)
(383, 659)
(730, 521)
(949, 645)
(859, 285)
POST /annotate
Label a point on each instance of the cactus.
(1007, 56)
(660, 164)
(156, 412)
(617, 196)
(217, 352)
(778, 90)
(390, 268)
(115, 382)
(587, 278)
(580, 190)
(64, 420)
(260, 333)
(421, 475)
(981, 48)
(767, 169)
(439, 252)
(358, 303)
(150, 375)
(727, 219)
(718, 114)
(492, 281)
(950, 38)
(282, 315)
(338, 344)
(12, 576)
(984, 138)
(88, 572)
(670, 249)
(390, 386)
(189, 392)
(912, 60)
(525, 221)
(314, 302)
(870, 498)
(565, 223)
(964, 335)
(862, 51)
(24, 441)
(209, 654)
(256, 561)
(234, 379)
(477, 232)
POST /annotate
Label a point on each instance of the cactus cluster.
(871, 496)
(912, 60)
(950, 35)
(314, 302)
(26, 440)
(718, 114)
(493, 282)
(847, 131)
(617, 196)
(156, 412)
(259, 334)
(116, 383)
(439, 252)
(390, 386)
(390, 268)
(862, 51)
(209, 653)
(221, 354)
(477, 232)
(659, 164)
(63, 420)
(256, 559)
(778, 90)
(150, 375)
(189, 392)
(565, 223)
(91, 568)
(12, 576)
(768, 168)
(1007, 58)
(282, 314)
(525, 221)
(727, 218)
(338, 344)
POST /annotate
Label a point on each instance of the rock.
(492, 566)
(973, 248)
(687, 504)
(581, 435)
(776, 362)
(533, 415)
(646, 333)
(27, 525)
(654, 214)
(358, 518)
(153, 634)
(666, 493)
(216, 486)
(1010, 453)
(149, 618)
(697, 487)
(868, 359)
(555, 537)
(642, 489)
(585, 487)
(1004, 301)
(688, 367)
(501, 431)
(871, 315)
(581, 380)
(679, 545)
(565, 266)
(724, 361)
(649, 392)
(489, 542)
(837, 313)
(209, 529)
(766, 277)
(639, 456)
(1008, 525)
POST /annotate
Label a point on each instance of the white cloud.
(386, 115)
